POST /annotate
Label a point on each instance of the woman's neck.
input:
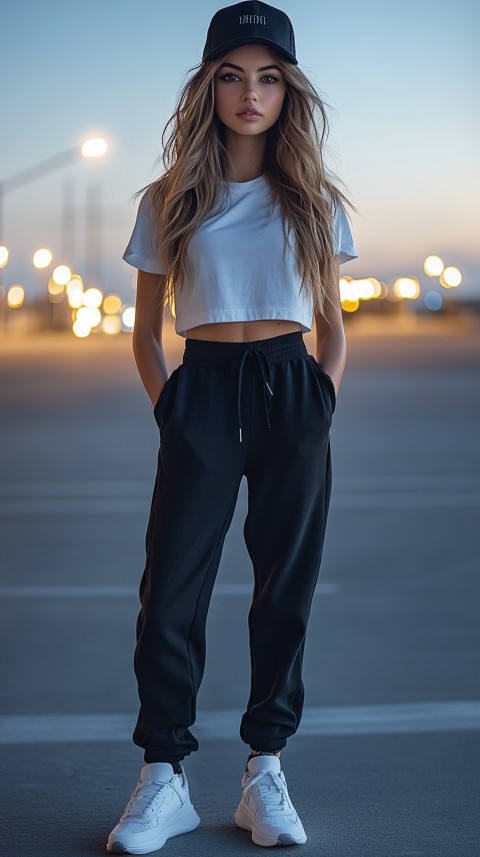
(245, 157)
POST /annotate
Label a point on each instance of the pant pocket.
(164, 406)
(326, 382)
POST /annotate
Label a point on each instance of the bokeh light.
(75, 282)
(42, 258)
(61, 275)
(128, 317)
(93, 297)
(348, 294)
(433, 266)
(75, 298)
(88, 315)
(451, 277)
(365, 289)
(378, 291)
(112, 304)
(433, 300)
(4, 254)
(348, 291)
(350, 305)
(81, 329)
(406, 287)
(15, 296)
(111, 324)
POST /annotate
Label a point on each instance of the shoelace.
(143, 796)
(273, 794)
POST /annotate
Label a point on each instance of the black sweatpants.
(262, 409)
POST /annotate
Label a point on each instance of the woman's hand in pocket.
(156, 398)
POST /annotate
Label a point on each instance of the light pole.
(91, 148)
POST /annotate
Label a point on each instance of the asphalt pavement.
(386, 760)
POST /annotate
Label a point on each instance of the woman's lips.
(249, 116)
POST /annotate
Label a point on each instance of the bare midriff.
(242, 331)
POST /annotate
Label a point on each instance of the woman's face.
(243, 82)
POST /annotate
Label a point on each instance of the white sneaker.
(265, 807)
(159, 808)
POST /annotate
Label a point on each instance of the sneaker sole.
(243, 820)
(186, 824)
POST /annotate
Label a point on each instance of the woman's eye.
(231, 74)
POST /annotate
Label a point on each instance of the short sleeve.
(344, 243)
(140, 252)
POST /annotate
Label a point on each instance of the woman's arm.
(331, 344)
(147, 332)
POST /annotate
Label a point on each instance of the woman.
(244, 187)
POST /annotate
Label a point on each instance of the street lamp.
(94, 147)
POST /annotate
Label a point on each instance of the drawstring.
(267, 390)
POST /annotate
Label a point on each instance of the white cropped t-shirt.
(239, 270)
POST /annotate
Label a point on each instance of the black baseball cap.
(250, 21)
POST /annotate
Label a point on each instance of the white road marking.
(96, 591)
(395, 499)
(76, 506)
(142, 487)
(131, 497)
(74, 488)
(346, 720)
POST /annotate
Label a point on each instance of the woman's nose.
(250, 90)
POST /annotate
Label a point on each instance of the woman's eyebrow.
(239, 68)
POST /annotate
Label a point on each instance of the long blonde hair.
(194, 158)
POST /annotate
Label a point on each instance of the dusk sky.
(400, 82)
